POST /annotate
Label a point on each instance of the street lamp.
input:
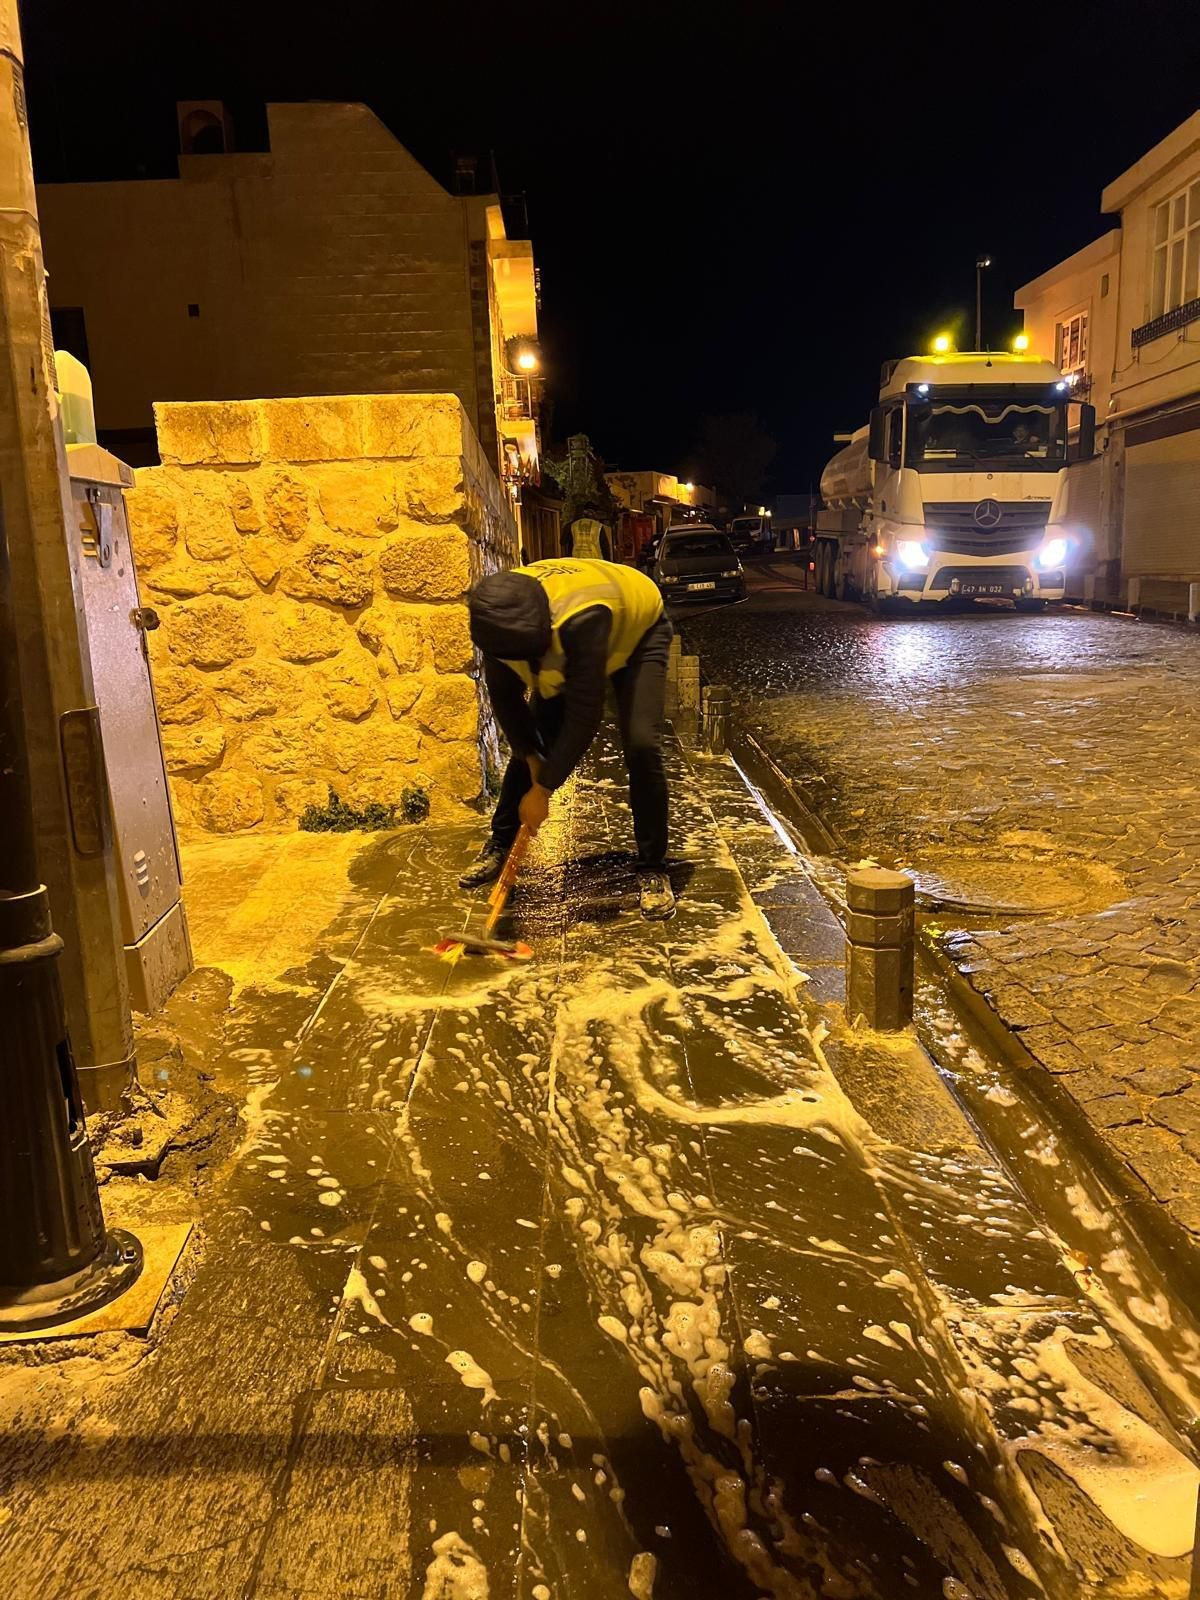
(524, 356)
(980, 263)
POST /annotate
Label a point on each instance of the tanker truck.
(958, 486)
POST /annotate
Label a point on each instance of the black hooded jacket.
(510, 620)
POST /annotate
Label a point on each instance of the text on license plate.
(983, 588)
(702, 586)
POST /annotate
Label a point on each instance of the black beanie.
(510, 617)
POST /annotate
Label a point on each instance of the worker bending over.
(552, 636)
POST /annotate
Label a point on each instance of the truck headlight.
(911, 553)
(1052, 554)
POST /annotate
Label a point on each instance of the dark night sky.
(745, 208)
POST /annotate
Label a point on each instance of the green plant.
(414, 803)
(337, 817)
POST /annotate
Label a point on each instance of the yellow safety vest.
(573, 586)
(585, 540)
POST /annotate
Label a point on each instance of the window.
(696, 544)
(971, 435)
(1070, 343)
(895, 437)
(1175, 262)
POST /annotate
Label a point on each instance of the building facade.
(332, 263)
(660, 494)
(1122, 318)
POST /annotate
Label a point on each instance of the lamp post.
(57, 1261)
(980, 263)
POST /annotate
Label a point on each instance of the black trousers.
(641, 691)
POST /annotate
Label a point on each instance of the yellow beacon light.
(941, 344)
(1021, 342)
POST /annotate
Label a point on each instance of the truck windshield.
(745, 525)
(958, 435)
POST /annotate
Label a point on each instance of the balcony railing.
(517, 398)
(1170, 323)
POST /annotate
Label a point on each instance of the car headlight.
(734, 572)
(668, 577)
(911, 553)
(1052, 554)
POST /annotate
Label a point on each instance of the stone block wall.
(309, 560)
(331, 264)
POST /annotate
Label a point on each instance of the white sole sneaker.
(655, 895)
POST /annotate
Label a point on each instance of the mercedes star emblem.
(987, 514)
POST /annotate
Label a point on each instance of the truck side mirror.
(876, 449)
(1087, 432)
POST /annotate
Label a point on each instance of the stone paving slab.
(526, 1279)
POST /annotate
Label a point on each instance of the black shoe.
(486, 869)
(655, 895)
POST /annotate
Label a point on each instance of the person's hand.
(535, 808)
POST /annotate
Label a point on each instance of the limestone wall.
(309, 559)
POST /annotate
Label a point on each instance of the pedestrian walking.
(587, 539)
(553, 635)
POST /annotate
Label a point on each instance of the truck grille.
(998, 543)
(951, 527)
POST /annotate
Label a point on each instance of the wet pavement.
(1038, 776)
(631, 1270)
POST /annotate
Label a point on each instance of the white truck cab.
(957, 487)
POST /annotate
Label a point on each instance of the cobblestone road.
(1043, 765)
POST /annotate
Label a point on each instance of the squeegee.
(482, 941)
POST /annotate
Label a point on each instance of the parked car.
(745, 534)
(698, 563)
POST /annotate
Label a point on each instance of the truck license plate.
(982, 588)
(702, 586)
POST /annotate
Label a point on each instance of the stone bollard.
(673, 660)
(714, 700)
(1194, 616)
(879, 947)
(689, 684)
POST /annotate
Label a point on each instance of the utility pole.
(57, 1261)
(980, 263)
